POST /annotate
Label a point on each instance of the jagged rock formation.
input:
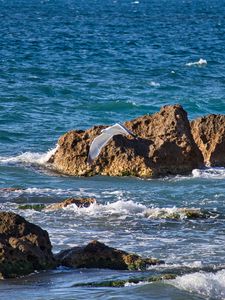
(79, 202)
(98, 255)
(209, 135)
(24, 247)
(165, 146)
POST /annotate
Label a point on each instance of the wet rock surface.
(98, 255)
(164, 146)
(209, 135)
(79, 202)
(24, 247)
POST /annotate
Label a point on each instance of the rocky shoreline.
(26, 248)
(167, 144)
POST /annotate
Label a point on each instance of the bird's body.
(101, 140)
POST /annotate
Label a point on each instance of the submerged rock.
(98, 255)
(126, 282)
(165, 146)
(24, 247)
(179, 213)
(157, 276)
(209, 135)
(79, 202)
(37, 207)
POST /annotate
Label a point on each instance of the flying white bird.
(101, 140)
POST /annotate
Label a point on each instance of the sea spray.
(201, 62)
(29, 158)
(209, 285)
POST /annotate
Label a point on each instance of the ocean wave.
(205, 173)
(131, 208)
(29, 158)
(115, 106)
(46, 192)
(208, 285)
(120, 207)
(196, 264)
(209, 173)
(201, 62)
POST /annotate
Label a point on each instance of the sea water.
(67, 64)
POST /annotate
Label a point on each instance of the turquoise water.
(72, 64)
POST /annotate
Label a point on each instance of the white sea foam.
(197, 63)
(208, 285)
(154, 84)
(8, 193)
(119, 207)
(30, 157)
(209, 173)
(128, 284)
(131, 208)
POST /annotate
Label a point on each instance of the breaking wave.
(29, 158)
(131, 208)
(209, 285)
(119, 207)
(209, 173)
(197, 63)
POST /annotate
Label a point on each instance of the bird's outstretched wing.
(101, 140)
(96, 146)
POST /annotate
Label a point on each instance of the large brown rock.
(98, 255)
(24, 247)
(209, 135)
(165, 146)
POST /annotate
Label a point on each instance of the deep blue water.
(72, 64)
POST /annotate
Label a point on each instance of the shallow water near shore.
(70, 65)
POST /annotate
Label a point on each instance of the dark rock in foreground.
(98, 255)
(24, 247)
(165, 146)
(209, 135)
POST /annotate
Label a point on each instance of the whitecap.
(119, 207)
(154, 84)
(208, 285)
(209, 173)
(29, 157)
(124, 208)
(197, 63)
